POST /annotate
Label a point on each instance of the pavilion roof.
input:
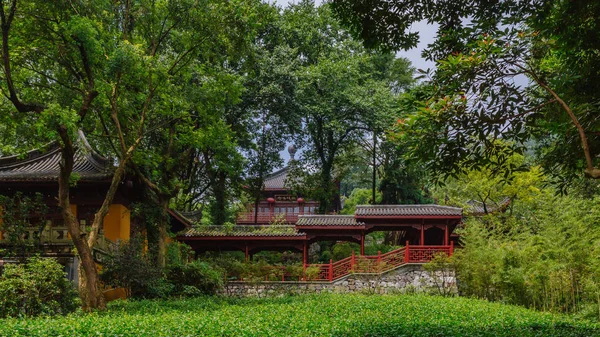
(328, 220)
(238, 230)
(277, 180)
(477, 208)
(407, 210)
(43, 165)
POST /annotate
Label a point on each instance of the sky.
(426, 34)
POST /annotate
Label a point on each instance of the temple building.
(278, 202)
(285, 221)
(37, 172)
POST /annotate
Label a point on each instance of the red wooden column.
(362, 243)
(406, 252)
(247, 253)
(446, 234)
(305, 255)
(422, 240)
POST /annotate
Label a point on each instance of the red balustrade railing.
(379, 263)
(374, 264)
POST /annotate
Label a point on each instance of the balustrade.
(52, 235)
(379, 263)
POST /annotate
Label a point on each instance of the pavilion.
(420, 225)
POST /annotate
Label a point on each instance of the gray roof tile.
(407, 210)
(38, 165)
(277, 180)
(259, 231)
(328, 220)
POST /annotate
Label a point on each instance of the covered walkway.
(421, 226)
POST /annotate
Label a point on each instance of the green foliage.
(194, 279)
(18, 215)
(359, 196)
(442, 271)
(349, 315)
(543, 256)
(130, 267)
(37, 287)
(178, 253)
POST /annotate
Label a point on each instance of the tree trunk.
(220, 196)
(326, 203)
(161, 256)
(89, 286)
(374, 182)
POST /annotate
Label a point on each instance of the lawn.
(317, 315)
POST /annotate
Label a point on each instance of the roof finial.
(292, 151)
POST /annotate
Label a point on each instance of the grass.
(316, 315)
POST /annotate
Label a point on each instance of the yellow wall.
(74, 210)
(117, 223)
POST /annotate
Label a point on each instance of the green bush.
(38, 287)
(348, 315)
(199, 275)
(129, 266)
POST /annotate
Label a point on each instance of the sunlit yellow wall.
(117, 223)
(74, 210)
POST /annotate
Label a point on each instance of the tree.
(340, 94)
(483, 49)
(114, 70)
(270, 97)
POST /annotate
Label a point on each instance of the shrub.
(38, 287)
(441, 269)
(128, 266)
(198, 275)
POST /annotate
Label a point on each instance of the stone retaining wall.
(407, 278)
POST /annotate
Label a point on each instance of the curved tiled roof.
(328, 220)
(259, 231)
(276, 180)
(38, 165)
(477, 208)
(407, 210)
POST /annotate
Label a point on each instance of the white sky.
(426, 36)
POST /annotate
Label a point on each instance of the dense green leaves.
(38, 287)
(320, 315)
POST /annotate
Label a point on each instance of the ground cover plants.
(316, 315)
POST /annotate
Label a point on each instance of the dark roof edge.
(99, 162)
(29, 156)
(94, 157)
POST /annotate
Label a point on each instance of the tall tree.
(113, 69)
(339, 95)
(487, 52)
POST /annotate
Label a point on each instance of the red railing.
(374, 264)
(379, 263)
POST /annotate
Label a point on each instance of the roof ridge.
(326, 215)
(97, 160)
(32, 155)
(407, 206)
(276, 173)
